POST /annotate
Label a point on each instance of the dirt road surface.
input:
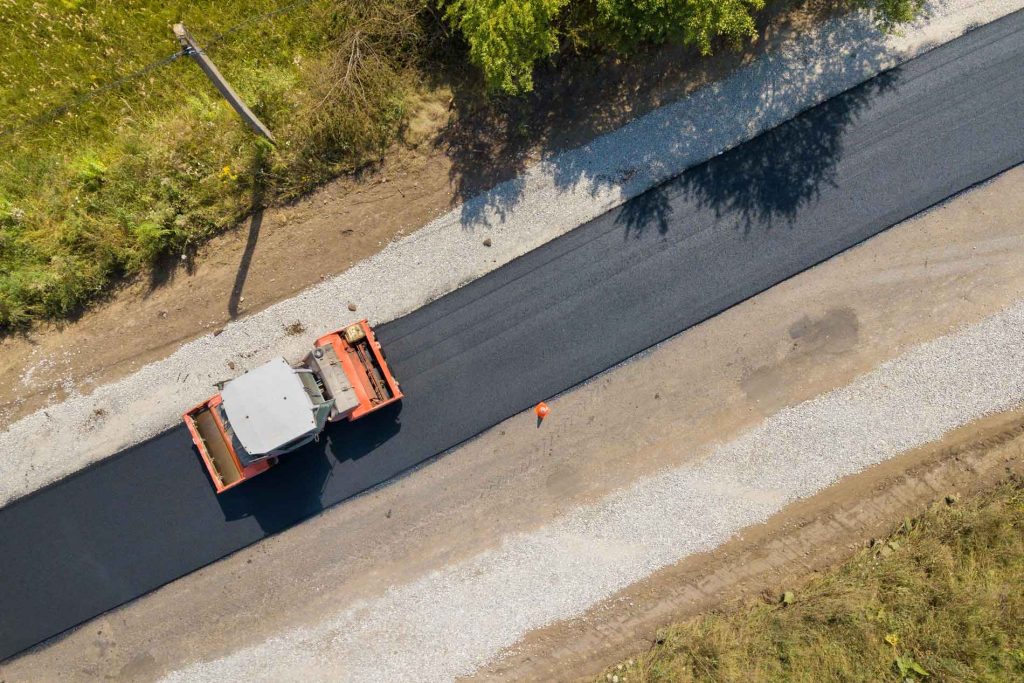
(771, 558)
(951, 267)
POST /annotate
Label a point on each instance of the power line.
(80, 100)
(251, 20)
(85, 97)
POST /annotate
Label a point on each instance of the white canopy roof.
(268, 407)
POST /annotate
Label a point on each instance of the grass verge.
(939, 599)
(159, 162)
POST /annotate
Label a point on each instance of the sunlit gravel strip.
(548, 200)
(451, 622)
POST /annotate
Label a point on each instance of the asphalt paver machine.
(276, 408)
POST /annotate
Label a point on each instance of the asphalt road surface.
(661, 263)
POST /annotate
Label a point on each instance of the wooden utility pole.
(221, 83)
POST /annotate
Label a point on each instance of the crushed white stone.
(549, 199)
(451, 622)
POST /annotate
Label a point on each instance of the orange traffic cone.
(542, 410)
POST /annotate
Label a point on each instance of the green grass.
(160, 163)
(940, 599)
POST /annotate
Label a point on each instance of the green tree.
(630, 23)
(506, 37)
(889, 14)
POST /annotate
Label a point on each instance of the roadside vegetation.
(939, 599)
(105, 171)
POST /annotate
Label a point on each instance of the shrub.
(889, 14)
(507, 37)
(630, 23)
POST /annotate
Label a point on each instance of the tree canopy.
(507, 38)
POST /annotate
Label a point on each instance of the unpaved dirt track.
(807, 537)
(661, 263)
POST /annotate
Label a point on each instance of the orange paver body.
(363, 364)
(355, 367)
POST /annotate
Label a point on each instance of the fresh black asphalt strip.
(665, 261)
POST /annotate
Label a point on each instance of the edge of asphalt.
(411, 632)
(549, 199)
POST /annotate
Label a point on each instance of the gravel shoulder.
(951, 267)
(806, 538)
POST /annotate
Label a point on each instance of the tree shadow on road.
(652, 209)
(558, 129)
(768, 179)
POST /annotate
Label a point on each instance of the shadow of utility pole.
(255, 223)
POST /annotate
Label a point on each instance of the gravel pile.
(548, 200)
(449, 623)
